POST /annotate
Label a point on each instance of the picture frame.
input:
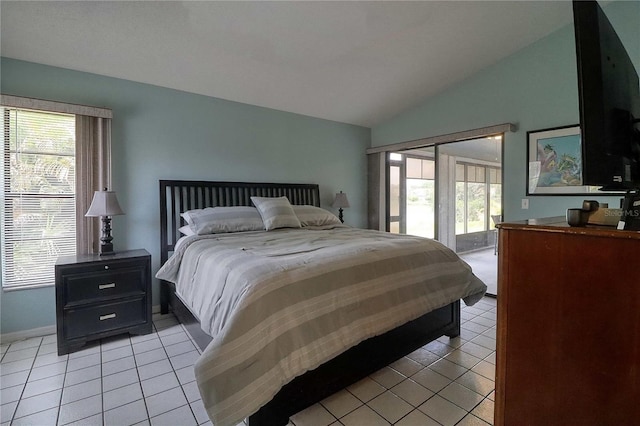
(554, 162)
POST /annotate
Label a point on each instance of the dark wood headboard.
(178, 196)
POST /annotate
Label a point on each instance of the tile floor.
(148, 380)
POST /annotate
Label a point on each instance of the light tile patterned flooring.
(142, 380)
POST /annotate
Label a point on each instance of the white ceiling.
(356, 62)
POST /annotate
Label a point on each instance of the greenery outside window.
(421, 196)
(55, 155)
(38, 218)
(478, 196)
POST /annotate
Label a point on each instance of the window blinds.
(38, 218)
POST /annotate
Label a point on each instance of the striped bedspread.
(280, 303)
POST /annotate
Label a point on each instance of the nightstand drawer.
(97, 319)
(100, 285)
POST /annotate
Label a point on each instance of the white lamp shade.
(104, 203)
(341, 201)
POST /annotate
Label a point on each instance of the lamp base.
(106, 246)
(106, 250)
(340, 215)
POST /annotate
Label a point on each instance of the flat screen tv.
(609, 100)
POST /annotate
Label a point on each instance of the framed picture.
(554, 158)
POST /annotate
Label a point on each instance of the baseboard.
(43, 331)
(27, 334)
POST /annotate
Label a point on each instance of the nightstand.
(100, 296)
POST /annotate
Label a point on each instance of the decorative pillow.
(219, 220)
(276, 212)
(186, 230)
(315, 216)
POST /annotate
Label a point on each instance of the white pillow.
(187, 216)
(186, 230)
(315, 216)
(276, 212)
(219, 220)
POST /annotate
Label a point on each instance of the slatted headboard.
(178, 196)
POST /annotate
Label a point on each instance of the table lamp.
(105, 204)
(340, 202)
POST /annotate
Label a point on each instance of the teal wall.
(535, 88)
(161, 133)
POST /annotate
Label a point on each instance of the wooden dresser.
(568, 339)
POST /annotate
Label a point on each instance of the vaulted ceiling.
(356, 62)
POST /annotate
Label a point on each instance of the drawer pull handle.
(104, 286)
(106, 317)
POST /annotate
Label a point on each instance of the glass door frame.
(401, 219)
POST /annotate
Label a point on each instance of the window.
(495, 194)
(476, 199)
(38, 207)
(55, 155)
(478, 195)
(421, 196)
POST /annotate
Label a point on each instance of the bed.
(312, 380)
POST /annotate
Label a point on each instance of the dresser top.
(559, 224)
(90, 258)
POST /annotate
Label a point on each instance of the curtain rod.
(450, 137)
(62, 107)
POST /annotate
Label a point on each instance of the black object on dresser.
(98, 296)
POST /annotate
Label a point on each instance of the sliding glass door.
(450, 192)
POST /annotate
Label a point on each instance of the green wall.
(161, 133)
(536, 88)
